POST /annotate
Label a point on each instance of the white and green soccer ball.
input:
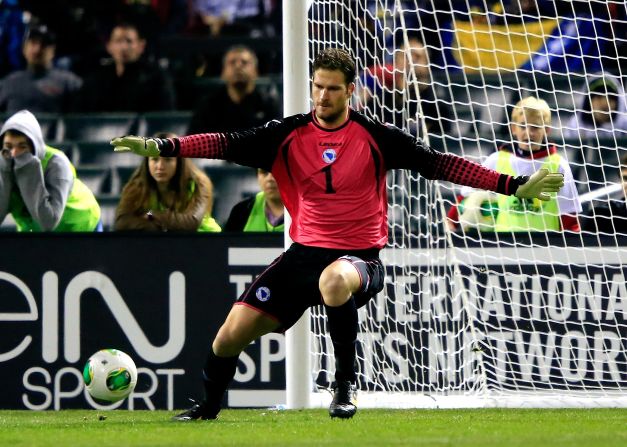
(110, 375)
(479, 211)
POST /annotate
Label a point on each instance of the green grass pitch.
(259, 428)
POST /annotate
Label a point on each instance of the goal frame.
(298, 380)
(300, 386)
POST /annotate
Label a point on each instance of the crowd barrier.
(161, 298)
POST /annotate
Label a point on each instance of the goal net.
(473, 314)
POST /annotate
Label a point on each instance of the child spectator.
(528, 152)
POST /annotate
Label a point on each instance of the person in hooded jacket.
(602, 112)
(38, 184)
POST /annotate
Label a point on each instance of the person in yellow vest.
(261, 212)
(167, 194)
(528, 152)
(38, 184)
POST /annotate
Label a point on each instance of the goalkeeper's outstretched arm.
(211, 145)
(266, 140)
(256, 147)
(464, 172)
(403, 151)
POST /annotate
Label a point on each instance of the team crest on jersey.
(262, 294)
(329, 155)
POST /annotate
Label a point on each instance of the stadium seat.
(594, 162)
(108, 205)
(68, 148)
(94, 153)
(98, 126)
(231, 184)
(101, 153)
(176, 122)
(96, 178)
(49, 126)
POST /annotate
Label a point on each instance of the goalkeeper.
(330, 165)
(528, 152)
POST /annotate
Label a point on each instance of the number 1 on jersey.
(329, 180)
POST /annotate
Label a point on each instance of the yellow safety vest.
(81, 213)
(257, 220)
(526, 214)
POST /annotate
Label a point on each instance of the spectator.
(73, 18)
(40, 88)
(167, 194)
(411, 65)
(611, 216)
(528, 152)
(602, 112)
(127, 82)
(38, 184)
(232, 17)
(261, 212)
(238, 104)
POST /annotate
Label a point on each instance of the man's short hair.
(41, 33)
(127, 25)
(336, 59)
(240, 49)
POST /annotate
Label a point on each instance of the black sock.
(343, 324)
(217, 374)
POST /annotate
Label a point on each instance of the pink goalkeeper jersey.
(333, 181)
(333, 184)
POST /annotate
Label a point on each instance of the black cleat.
(198, 410)
(344, 400)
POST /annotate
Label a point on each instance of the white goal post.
(479, 318)
(298, 380)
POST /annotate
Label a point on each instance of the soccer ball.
(478, 211)
(110, 375)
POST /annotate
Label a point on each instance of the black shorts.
(289, 286)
